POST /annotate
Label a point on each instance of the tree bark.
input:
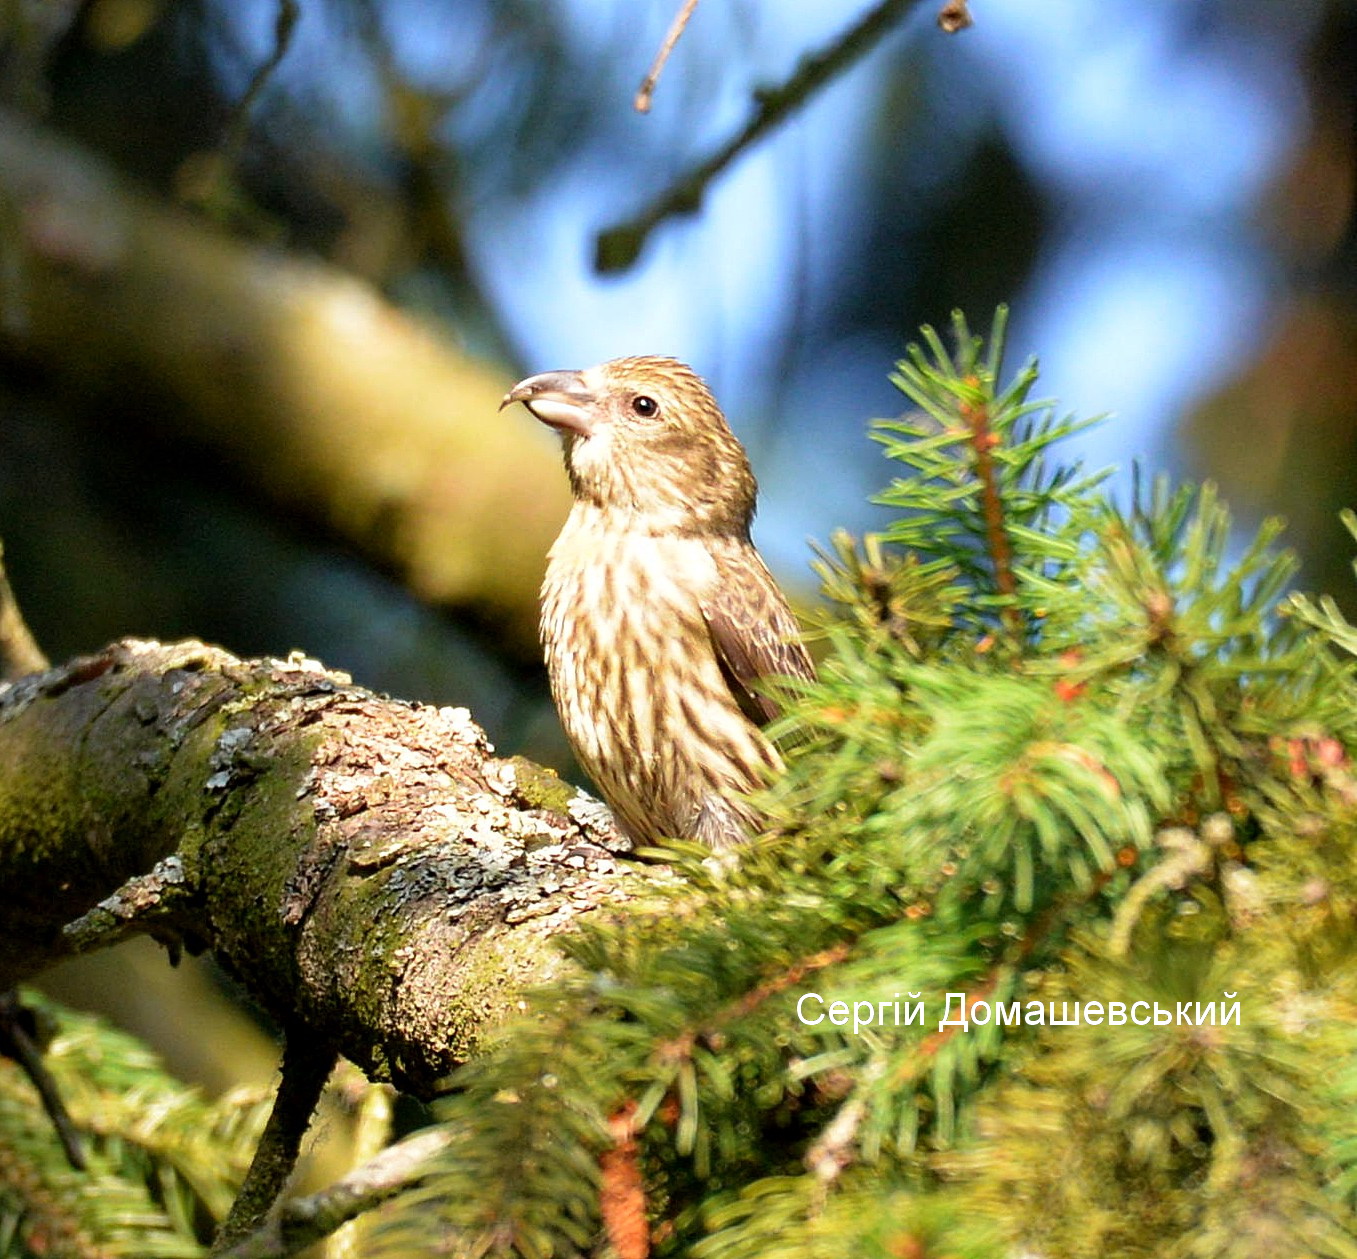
(366, 868)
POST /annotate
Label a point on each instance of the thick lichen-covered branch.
(366, 868)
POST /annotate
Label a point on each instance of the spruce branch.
(1323, 613)
(887, 591)
(996, 827)
(975, 413)
(792, 977)
(161, 1160)
(982, 500)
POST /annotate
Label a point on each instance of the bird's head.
(644, 437)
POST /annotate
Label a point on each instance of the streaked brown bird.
(658, 614)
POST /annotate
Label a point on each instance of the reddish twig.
(934, 1042)
(1038, 930)
(983, 439)
(681, 1046)
(622, 1195)
(789, 978)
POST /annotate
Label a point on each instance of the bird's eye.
(644, 405)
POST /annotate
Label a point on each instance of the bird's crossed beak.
(556, 398)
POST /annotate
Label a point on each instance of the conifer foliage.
(1068, 829)
(1069, 761)
(161, 1163)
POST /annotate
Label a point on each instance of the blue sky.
(1153, 128)
(1154, 140)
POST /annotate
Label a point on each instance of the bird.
(658, 615)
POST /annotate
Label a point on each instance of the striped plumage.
(657, 611)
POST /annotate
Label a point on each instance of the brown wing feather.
(752, 628)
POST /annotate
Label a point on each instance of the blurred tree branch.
(301, 379)
(19, 653)
(618, 247)
(28, 35)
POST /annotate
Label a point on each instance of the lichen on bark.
(366, 868)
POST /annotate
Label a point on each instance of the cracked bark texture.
(366, 868)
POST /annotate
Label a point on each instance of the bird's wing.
(752, 628)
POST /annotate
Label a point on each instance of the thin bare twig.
(301, 1222)
(284, 24)
(17, 1041)
(207, 180)
(675, 33)
(617, 247)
